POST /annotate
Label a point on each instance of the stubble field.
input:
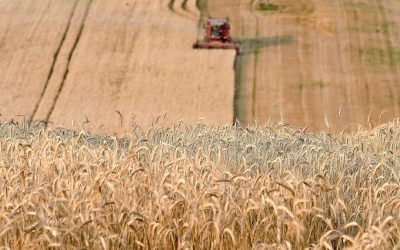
(326, 65)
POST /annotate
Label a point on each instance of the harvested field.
(105, 63)
(316, 63)
(30, 31)
(200, 187)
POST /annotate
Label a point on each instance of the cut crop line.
(239, 104)
(202, 6)
(55, 57)
(241, 109)
(255, 70)
(69, 60)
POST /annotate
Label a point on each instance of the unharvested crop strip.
(69, 60)
(55, 58)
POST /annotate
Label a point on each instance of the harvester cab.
(217, 35)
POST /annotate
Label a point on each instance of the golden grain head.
(200, 187)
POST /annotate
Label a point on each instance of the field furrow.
(59, 70)
(31, 33)
(70, 55)
(55, 58)
(138, 61)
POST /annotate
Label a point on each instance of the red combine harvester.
(216, 36)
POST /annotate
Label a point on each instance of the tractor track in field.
(357, 66)
(184, 5)
(301, 57)
(338, 46)
(4, 35)
(354, 53)
(70, 56)
(395, 69)
(389, 48)
(384, 44)
(183, 10)
(2, 40)
(55, 57)
(360, 66)
(171, 5)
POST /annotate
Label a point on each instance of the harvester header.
(217, 35)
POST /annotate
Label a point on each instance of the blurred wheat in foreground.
(200, 187)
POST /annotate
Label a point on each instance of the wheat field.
(199, 187)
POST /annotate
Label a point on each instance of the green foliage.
(382, 57)
(365, 7)
(311, 84)
(373, 27)
(267, 7)
(250, 45)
